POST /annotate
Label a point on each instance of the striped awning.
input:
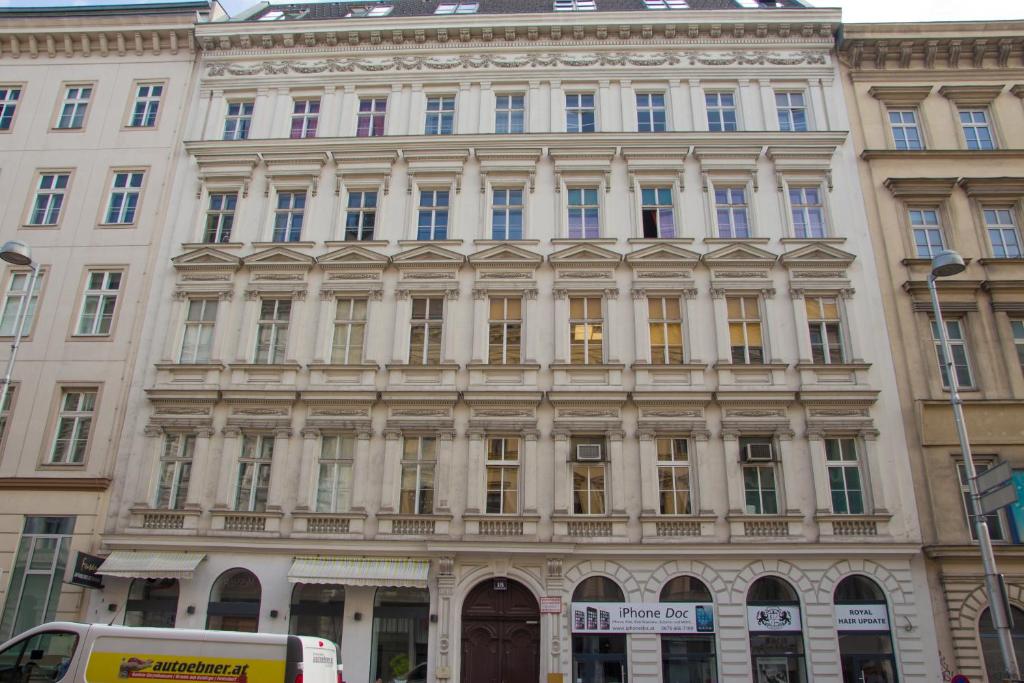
(391, 572)
(144, 564)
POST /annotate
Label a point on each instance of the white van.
(95, 653)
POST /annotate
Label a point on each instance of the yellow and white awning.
(144, 564)
(390, 572)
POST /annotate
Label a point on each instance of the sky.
(853, 10)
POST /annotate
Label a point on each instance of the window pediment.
(279, 259)
(207, 259)
(971, 95)
(440, 166)
(497, 412)
(1007, 189)
(740, 255)
(296, 170)
(672, 414)
(595, 412)
(934, 189)
(508, 166)
(267, 414)
(505, 256)
(663, 265)
(818, 254)
(336, 412)
(900, 95)
(584, 265)
(364, 169)
(421, 266)
(430, 412)
(578, 165)
(226, 171)
(835, 414)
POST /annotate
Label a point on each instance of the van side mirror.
(36, 655)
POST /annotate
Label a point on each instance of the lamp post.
(946, 264)
(18, 254)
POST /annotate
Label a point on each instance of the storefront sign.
(551, 604)
(762, 618)
(640, 617)
(84, 571)
(862, 618)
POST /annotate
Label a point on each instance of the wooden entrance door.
(500, 635)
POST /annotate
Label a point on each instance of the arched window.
(862, 624)
(317, 610)
(152, 602)
(598, 589)
(990, 642)
(401, 625)
(596, 656)
(234, 602)
(691, 656)
(776, 635)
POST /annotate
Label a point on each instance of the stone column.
(475, 475)
(348, 110)
(534, 109)
(208, 123)
(627, 97)
(328, 124)
(281, 124)
(262, 114)
(416, 124)
(819, 472)
(361, 470)
(480, 325)
(452, 326)
(693, 338)
(562, 479)
(771, 327)
(700, 460)
(818, 115)
(833, 117)
(723, 347)
(392, 467)
(325, 334)
(305, 498)
(445, 589)
(606, 114)
(611, 341)
(878, 472)
(561, 325)
(397, 120)
(771, 116)
(641, 326)
(246, 351)
(618, 472)
(280, 469)
(531, 325)
(464, 109)
(557, 123)
(218, 349)
(794, 476)
(803, 337)
(172, 342)
(751, 115)
(531, 473)
(403, 316)
(485, 121)
(679, 108)
(648, 473)
(197, 496)
(443, 479)
(733, 472)
(853, 334)
(224, 484)
(294, 347)
(698, 106)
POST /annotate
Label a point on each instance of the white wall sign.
(761, 618)
(862, 618)
(638, 617)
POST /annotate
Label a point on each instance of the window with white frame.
(98, 303)
(721, 107)
(657, 213)
(977, 130)
(586, 330)
(745, 337)
(360, 215)
(9, 97)
(732, 212)
(220, 217)
(1001, 225)
(825, 328)
(995, 520)
(49, 198)
(808, 210)
(905, 132)
(5, 410)
(200, 321)
(368, 10)
(425, 334)
(419, 460)
(651, 115)
(1017, 329)
(334, 481)
(505, 330)
(461, 7)
(507, 214)
(958, 349)
(792, 111)
(305, 118)
(440, 115)
(125, 190)
(432, 217)
(575, 5)
(252, 487)
(17, 289)
(272, 330)
(589, 477)
(35, 578)
(584, 213)
(146, 105)
(238, 120)
(665, 320)
(349, 331)
(673, 476)
(927, 229)
(74, 425)
(580, 113)
(509, 114)
(289, 216)
(175, 471)
(666, 4)
(74, 106)
(371, 118)
(760, 478)
(502, 476)
(844, 476)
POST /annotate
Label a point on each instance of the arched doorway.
(500, 634)
(234, 602)
(862, 623)
(596, 658)
(776, 633)
(152, 602)
(691, 657)
(990, 641)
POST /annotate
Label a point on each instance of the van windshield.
(40, 658)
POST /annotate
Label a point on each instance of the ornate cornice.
(907, 46)
(68, 41)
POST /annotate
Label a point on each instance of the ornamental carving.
(354, 276)
(506, 275)
(429, 276)
(180, 411)
(588, 412)
(338, 412)
(586, 275)
(261, 411)
(206, 278)
(732, 275)
(656, 274)
(673, 413)
(818, 273)
(755, 413)
(502, 412)
(421, 412)
(838, 412)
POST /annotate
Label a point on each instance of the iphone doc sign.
(633, 617)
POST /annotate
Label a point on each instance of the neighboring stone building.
(470, 311)
(940, 129)
(91, 106)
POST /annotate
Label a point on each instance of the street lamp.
(18, 254)
(946, 264)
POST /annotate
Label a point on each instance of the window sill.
(691, 365)
(737, 240)
(660, 240)
(115, 226)
(61, 466)
(39, 226)
(807, 365)
(189, 246)
(812, 240)
(343, 366)
(870, 154)
(505, 366)
(750, 366)
(925, 261)
(90, 337)
(271, 245)
(584, 240)
(338, 244)
(993, 261)
(494, 243)
(287, 365)
(171, 367)
(420, 243)
(410, 366)
(591, 366)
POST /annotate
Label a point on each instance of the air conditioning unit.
(757, 452)
(588, 452)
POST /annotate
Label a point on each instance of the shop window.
(35, 578)
(776, 636)
(401, 621)
(152, 602)
(862, 622)
(690, 657)
(317, 610)
(234, 602)
(990, 641)
(597, 657)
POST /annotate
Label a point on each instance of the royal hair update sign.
(773, 618)
(639, 617)
(862, 618)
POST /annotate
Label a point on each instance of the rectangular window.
(419, 458)
(74, 106)
(995, 519)
(254, 464)
(146, 106)
(732, 212)
(37, 574)
(220, 217)
(289, 215)
(657, 213)
(502, 476)
(507, 215)
(825, 329)
(272, 330)
(74, 424)
(98, 303)
(666, 4)
(8, 105)
(575, 5)
(305, 118)
(5, 411)
(905, 133)
(376, 9)
(17, 288)
(1001, 225)
(792, 110)
(49, 198)
(432, 222)
(745, 330)
(808, 212)
(928, 240)
(197, 343)
(674, 477)
(509, 114)
(505, 330)
(584, 213)
(650, 113)
(440, 115)
(238, 120)
(586, 330)
(124, 197)
(175, 471)
(721, 108)
(1017, 328)
(588, 487)
(349, 331)
(977, 133)
(425, 335)
(760, 490)
(334, 482)
(958, 347)
(361, 215)
(372, 114)
(457, 8)
(580, 113)
(666, 325)
(844, 480)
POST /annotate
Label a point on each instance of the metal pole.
(19, 330)
(996, 603)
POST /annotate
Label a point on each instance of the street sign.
(994, 476)
(996, 499)
(960, 678)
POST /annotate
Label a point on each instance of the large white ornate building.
(472, 312)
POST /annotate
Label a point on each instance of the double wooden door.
(500, 634)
